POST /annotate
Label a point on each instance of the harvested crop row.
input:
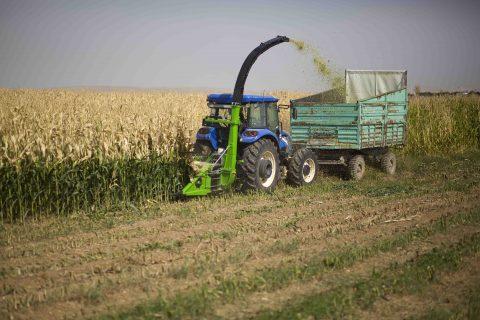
(348, 268)
(100, 277)
(412, 276)
(233, 287)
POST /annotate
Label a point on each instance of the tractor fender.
(247, 138)
(209, 134)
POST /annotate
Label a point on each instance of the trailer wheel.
(356, 167)
(302, 168)
(388, 162)
(260, 167)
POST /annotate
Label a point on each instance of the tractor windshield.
(263, 115)
(257, 116)
(219, 111)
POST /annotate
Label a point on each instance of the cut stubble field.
(406, 246)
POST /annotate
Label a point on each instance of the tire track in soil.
(366, 219)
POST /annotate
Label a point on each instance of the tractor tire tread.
(247, 169)
(295, 166)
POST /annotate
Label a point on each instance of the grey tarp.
(364, 84)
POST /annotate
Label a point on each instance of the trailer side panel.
(371, 123)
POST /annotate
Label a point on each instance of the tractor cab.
(258, 119)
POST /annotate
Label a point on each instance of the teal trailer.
(344, 128)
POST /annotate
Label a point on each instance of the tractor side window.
(272, 117)
(257, 116)
(220, 112)
(213, 112)
(224, 113)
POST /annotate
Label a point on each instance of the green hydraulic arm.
(202, 184)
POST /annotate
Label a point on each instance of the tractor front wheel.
(302, 168)
(260, 167)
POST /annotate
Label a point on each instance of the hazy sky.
(203, 43)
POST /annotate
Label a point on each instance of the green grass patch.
(292, 223)
(173, 245)
(282, 246)
(416, 175)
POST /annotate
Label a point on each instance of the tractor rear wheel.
(356, 167)
(388, 162)
(260, 167)
(202, 149)
(302, 168)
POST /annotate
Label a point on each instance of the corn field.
(69, 150)
(443, 125)
(66, 150)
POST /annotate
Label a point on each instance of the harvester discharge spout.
(221, 172)
(248, 63)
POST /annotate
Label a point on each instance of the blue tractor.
(242, 141)
(262, 144)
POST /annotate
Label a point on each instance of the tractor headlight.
(251, 133)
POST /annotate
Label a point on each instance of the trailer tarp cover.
(365, 84)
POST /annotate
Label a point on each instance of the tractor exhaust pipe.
(248, 63)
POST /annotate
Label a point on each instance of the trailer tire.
(356, 167)
(388, 163)
(260, 166)
(302, 168)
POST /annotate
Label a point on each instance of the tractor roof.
(226, 98)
